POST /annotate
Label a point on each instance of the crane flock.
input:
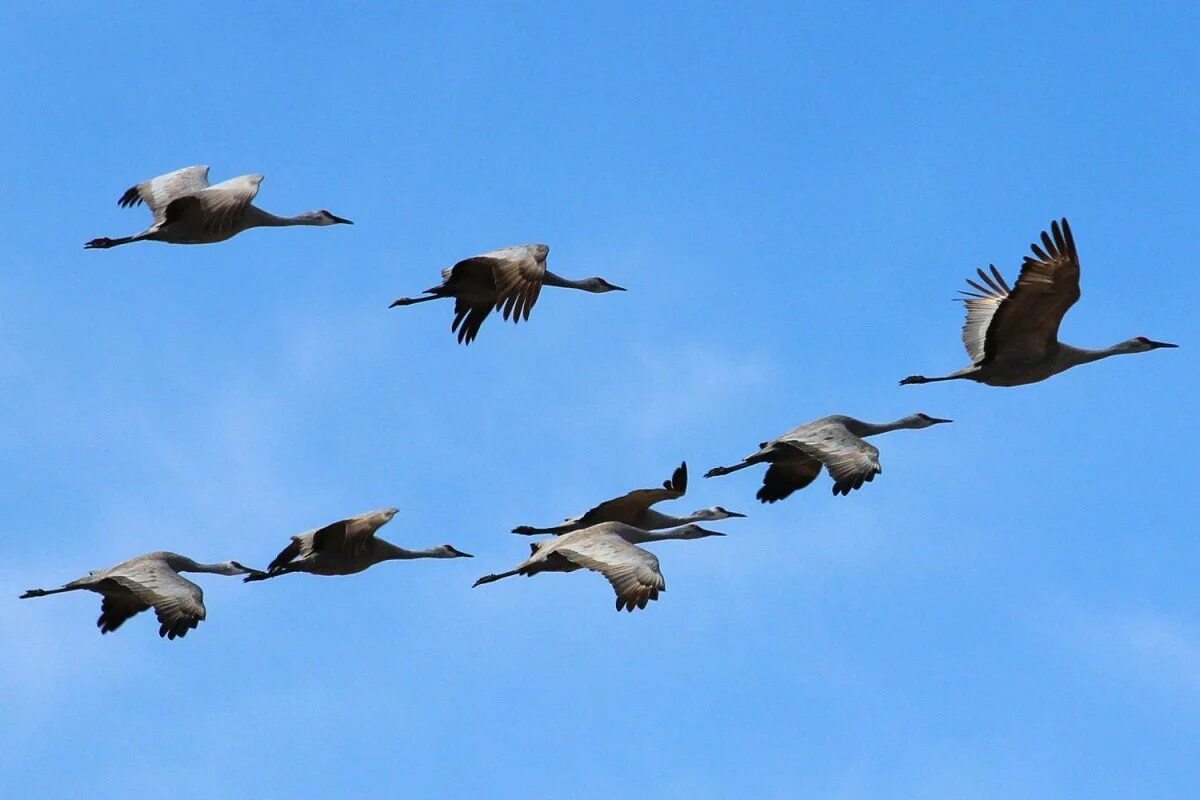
(1010, 334)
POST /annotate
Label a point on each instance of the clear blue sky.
(792, 197)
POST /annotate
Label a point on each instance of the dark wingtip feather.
(1000, 279)
(679, 479)
(130, 198)
(1069, 239)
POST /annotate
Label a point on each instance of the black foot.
(914, 379)
(103, 243)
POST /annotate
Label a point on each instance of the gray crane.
(149, 581)
(346, 547)
(187, 210)
(508, 280)
(834, 442)
(634, 509)
(609, 548)
(1011, 334)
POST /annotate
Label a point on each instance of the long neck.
(655, 520)
(1070, 356)
(551, 279)
(859, 428)
(257, 218)
(390, 552)
(636, 536)
(183, 564)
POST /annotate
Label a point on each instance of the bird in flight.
(508, 280)
(188, 210)
(1011, 334)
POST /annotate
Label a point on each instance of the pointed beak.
(1155, 345)
(936, 420)
(735, 514)
(616, 288)
(460, 553)
(341, 220)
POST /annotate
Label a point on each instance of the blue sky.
(792, 196)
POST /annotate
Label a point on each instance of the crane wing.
(178, 603)
(217, 209)
(519, 273)
(468, 318)
(473, 285)
(982, 304)
(630, 507)
(117, 607)
(295, 549)
(1022, 324)
(787, 476)
(850, 460)
(157, 193)
(633, 572)
(347, 536)
(475, 272)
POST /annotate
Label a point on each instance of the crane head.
(1140, 344)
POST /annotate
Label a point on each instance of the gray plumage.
(609, 548)
(1011, 335)
(834, 442)
(635, 509)
(149, 581)
(188, 210)
(346, 547)
(508, 280)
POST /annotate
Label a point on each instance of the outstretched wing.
(787, 476)
(294, 550)
(218, 209)
(468, 318)
(117, 607)
(519, 274)
(472, 283)
(157, 193)
(633, 572)
(178, 603)
(1023, 323)
(348, 536)
(850, 460)
(630, 507)
(982, 304)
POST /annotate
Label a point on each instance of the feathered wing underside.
(1023, 324)
(157, 193)
(850, 460)
(295, 549)
(468, 318)
(117, 607)
(178, 603)
(982, 304)
(633, 572)
(217, 209)
(787, 476)
(519, 272)
(630, 507)
(472, 283)
(347, 536)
